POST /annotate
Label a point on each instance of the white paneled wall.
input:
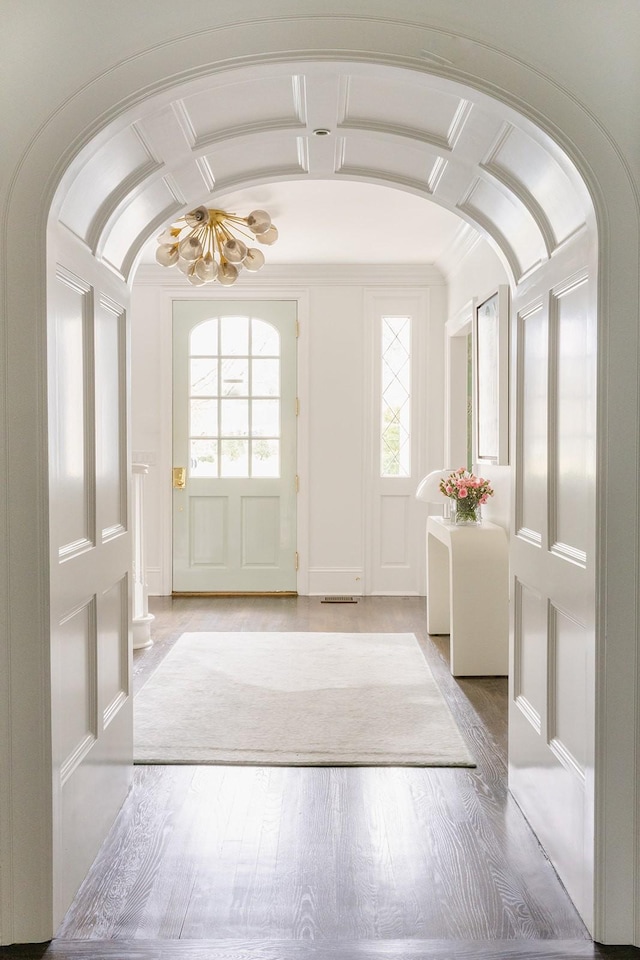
(551, 727)
(338, 414)
(90, 561)
(337, 440)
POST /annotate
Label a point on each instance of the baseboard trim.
(234, 593)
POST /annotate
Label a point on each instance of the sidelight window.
(395, 417)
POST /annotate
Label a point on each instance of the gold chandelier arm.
(206, 244)
(220, 236)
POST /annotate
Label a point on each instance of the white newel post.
(141, 616)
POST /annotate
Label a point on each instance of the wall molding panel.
(114, 680)
(74, 415)
(77, 678)
(571, 397)
(111, 418)
(530, 655)
(568, 721)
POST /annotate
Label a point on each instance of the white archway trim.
(40, 154)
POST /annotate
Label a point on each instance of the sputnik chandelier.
(205, 244)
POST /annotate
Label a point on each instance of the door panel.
(397, 341)
(235, 433)
(551, 714)
(90, 558)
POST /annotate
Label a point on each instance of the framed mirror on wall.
(490, 406)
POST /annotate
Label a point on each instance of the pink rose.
(462, 492)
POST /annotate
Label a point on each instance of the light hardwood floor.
(341, 863)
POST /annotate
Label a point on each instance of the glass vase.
(466, 513)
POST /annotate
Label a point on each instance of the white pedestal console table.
(468, 595)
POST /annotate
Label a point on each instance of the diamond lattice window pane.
(395, 427)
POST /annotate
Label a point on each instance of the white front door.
(234, 438)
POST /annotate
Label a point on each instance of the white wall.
(336, 439)
(337, 419)
(475, 271)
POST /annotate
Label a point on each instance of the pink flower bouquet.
(468, 493)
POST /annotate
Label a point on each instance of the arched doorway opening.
(500, 173)
(85, 272)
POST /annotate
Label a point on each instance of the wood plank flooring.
(319, 950)
(321, 862)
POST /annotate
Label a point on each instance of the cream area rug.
(296, 699)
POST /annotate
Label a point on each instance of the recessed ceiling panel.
(253, 104)
(531, 166)
(412, 108)
(255, 158)
(506, 219)
(410, 164)
(144, 209)
(118, 161)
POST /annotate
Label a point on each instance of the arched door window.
(234, 398)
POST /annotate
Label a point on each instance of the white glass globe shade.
(190, 248)
(258, 221)
(167, 254)
(234, 250)
(269, 236)
(227, 274)
(206, 268)
(254, 259)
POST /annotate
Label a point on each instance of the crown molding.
(325, 274)
(462, 244)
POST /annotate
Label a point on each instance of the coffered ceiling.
(355, 162)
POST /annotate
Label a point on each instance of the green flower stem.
(466, 510)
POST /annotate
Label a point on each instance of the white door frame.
(172, 290)
(236, 506)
